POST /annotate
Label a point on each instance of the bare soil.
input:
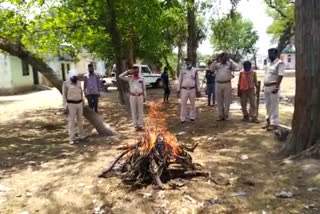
(41, 173)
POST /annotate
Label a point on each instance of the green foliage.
(233, 34)
(283, 14)
(152, 28)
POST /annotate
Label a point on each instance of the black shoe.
(192, 120)
(183, 122)
(220, 119)
(245, 119)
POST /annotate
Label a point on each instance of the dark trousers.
(166, 94)
(93, 100)
(211, 93)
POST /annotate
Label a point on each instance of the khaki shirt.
(273, 70)
(137, 86)
(189, 78)
(224, 71)
(71, 92)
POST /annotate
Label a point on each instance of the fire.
(156, 126)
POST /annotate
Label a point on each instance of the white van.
(151, 79)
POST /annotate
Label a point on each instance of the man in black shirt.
(210, 79)
(166, 84)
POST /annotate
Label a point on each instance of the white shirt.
(189, 78)
(137, 86)
(224, 71)
(273, 70)
(71, 92)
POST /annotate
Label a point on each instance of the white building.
(17, 76)
(288, 56)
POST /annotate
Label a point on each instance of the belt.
(270, 84)
(190, 88)
(222, 82)
(74, 101)
(136, 95)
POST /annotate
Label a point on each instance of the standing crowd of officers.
(219, 89)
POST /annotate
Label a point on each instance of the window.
(289, 58)
(25, 68)
(68, 68)
(145, 70)
(63, 72)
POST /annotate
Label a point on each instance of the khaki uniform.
(73, 100)
(188, 86)
(272, 72)
(223, 86)
(249, 94)
(137, 91)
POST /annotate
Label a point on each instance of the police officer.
(73, 105)
(223, 67)
(137, 91)
(188, 89)
(274, 72)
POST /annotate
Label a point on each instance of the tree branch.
(273, 5)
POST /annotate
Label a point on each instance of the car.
(151, 79)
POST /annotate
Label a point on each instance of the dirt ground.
(41, 173)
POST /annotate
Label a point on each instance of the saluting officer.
(223, 67)
(188, 89)
(137, 91)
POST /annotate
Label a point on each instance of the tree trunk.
(255, 59)
(178, 61)
(192, 42)
(118, 50)
(171, 71)
(306, 118)
(18, 50)
(285, 38)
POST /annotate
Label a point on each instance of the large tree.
(234, 34)
(283, 27)
(306, 119)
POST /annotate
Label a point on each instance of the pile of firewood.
(135, 166)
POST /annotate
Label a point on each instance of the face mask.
(272, 57)
(74, 80)
(91, 72)
(247, 68)
(189, 66)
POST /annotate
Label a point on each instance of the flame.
(156, 126)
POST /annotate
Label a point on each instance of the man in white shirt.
(188, 89)
(274, 72)
(223, 67)
(72, 95)
(137, 91)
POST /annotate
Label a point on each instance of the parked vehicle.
(151, 79)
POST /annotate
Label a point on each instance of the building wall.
(289, 60)
(6, 80)
(56, 65)
(19, 80)
(84, 60)
(13, 81)
(261, 60)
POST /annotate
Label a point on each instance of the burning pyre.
(157, 158)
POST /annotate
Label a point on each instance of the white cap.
(73, 73)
